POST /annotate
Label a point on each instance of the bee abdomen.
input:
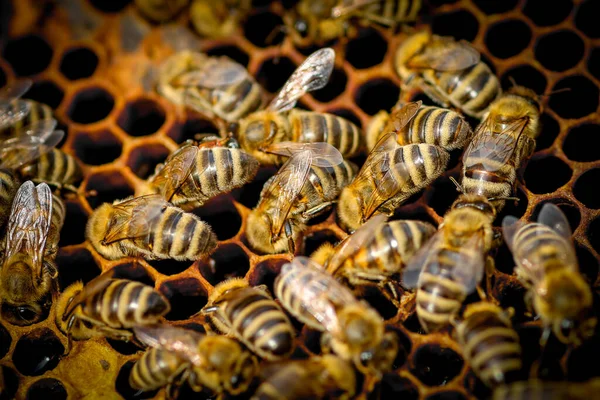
(474, 89)
(439, 126)
(543, 244)
(56, 223)
(312, 127)
(239, 100)
(156, 368)
(284, 291)
(424, 163)
(438, 298)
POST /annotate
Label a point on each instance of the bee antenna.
(545, 95)
(503, 198)
(512, 81)
(273, 34)
(459, 188)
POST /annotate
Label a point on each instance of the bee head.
(361, 325)
(476, 202)
(528, 95)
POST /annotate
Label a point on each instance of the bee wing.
(179, 37)
(493, 146)
(216, 73)
(311, 75)
(14, 91)
(175, 171)
(355, 241)
(11, 113)
(323, 154)
(346, 6)
(39, 138)
(134, 217)
(553, 217)
(286, 185)
(182, 341)
(510, 226)
(29, 222)
(402, 116)
(470, 263)
(446, 54)
(414, 266)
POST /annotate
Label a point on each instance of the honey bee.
(150, 227)
(390, 175)
(28, 273)
(489, 342)
(375, 252)
(217, 87)
(501, 142)
(304, 187)
(160, 10)
(218, 19)
(179, 355)
(353, 330)
(450, 72)
(547, 266)
(260, 131)
(322, 377)
(415, 124)
(451, 264)
(545, 390)
(252, 316)
(12, 109)
(193, 174)
(108, 307)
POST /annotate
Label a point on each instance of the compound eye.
(26, 313)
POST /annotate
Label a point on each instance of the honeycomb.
(90, 70)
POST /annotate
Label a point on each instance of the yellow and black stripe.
(55, 167)
(37, 112)
(156, 368)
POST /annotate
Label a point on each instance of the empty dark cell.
(75, 265)
(376, 95)
(229, 261)
(413, 325)
(550, 129)
(582, 143)
(459, 24)
(570, 210)
(78, 63)
(588, 264)
(347, 114)
(411, 211)
(75, 220)
(379, 302)
(5, 341)
(109, 186)
(582, 363)
(314, 241)
(143, 160)
(124, 389)
(525, 75)
(97, 148)
(507, 38)
(112, 6)
(580, 100)
(594, 62)
(273, 73)
(249, 194)
(541, 14)
(259, 26)
(586, 18)
(566, 43)
(28, 55)
(90, 105)
(435, 365)
(394, 386)
(2, 77)
(504, 259)
(476, 387)
(585, 188)
(512, 294)
(225, 223)
(186, 297)
(545, 174)
(133, 271)
(512, 207)
(449, 395)
(593, 234)
(170, 266)
(122, 347)
(11, 383)
(494, 6)
(335, 86)
(37, 352)
(47, 389)
(442, 195)
(233, 52)
(312, 340)
(367, 50)
(141, 117)
(46, 92)
(265, 273)
(193, 126)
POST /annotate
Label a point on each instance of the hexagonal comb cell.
(47, 388)
(37, 352)
(75, 264)
(78, 63)
(96, 148)
(28, 55)
(144, 159)
(46, 92)
(228, 261)
(141, 117)
(108, 187)
(186, 296)
(90, 104)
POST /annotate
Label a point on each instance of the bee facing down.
(150, 227)
(547, 266)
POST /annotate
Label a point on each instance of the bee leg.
(172, 389)
(288, 233)
(537, 364)
(313, 212)
(69, 338)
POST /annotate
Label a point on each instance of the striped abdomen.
(234, 101)
(439, 296)
(216, 171)
(56, 223)
(256, 319)
(392, 244)
(491, 346)
(396, 10)
(56, 167)
(123, 304)
(310, 127)
(155, 369)
(9, 184)
(439, 126)
(544, 390)
(472, 90)
(37, 112)
(176, 234)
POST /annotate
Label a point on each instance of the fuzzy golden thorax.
(323, 254)
(515, 104)
(225, 287)
(410, 47)
(260, 235)
(462, 223)
(95, 232)
(361, 327)
(261, 129)
(350, 208)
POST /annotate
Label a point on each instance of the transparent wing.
(402, 116)
(488, 145)
(286, 185)
(14, 91)
(13, 112)
(355, 241)
(217, 72)
(469, 263)
(345, 7)
(553, 217)
(175, 171)
(179, 38)
(414, 266)
(29, 222)
(133, 218)
(446, 54)
(311, 75)
(182, 341)
(510, 227)
(18, 151)
(323, 154)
